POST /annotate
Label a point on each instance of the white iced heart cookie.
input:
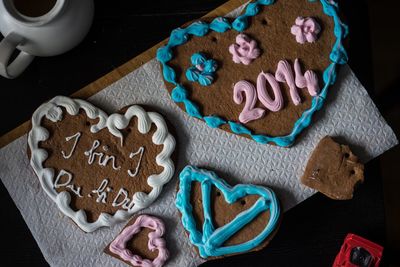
(99, 169)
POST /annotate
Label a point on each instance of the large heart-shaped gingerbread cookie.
(262, 75)
(232, 220)
(99, 169)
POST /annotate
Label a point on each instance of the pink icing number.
(156, 242)
(309, 80)
(284, 73)
(263, 96)
(249, 113)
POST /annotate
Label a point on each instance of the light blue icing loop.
(252, 9)
(220, 25)
(238, 128)
(210, 241)
(179, 36)
(198, 28)
(164, 54)
(192, 109)
(214, 121)
(179, 94)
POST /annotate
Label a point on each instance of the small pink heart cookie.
(119, 247)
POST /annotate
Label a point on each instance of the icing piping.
(249, 113)
(62, 173)
(52, 110)
(180, 94)
(140, 152)
(284, 73)
(102, 191)
(91, 154)
(277, 103)
(309, 79)
(210, 241)
(76, 136)
(245, 50)
(202, 71)
(126, 201)
(156, 242)
(305, 30)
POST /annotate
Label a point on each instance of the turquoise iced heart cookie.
(266, 85)
(211, 240)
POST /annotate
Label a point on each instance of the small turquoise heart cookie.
(235, 219)
(262, 75)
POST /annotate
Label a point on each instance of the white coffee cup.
(40, 28)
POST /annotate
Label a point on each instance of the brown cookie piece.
(141, 242)
(333, 170)
(99, 169)
(228, 208)
(271, 30)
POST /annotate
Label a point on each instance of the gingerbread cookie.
(262, 75)
(333, 170)
(99, 169)
(141, 243)
(222, 220)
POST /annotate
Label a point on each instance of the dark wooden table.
(311, 233)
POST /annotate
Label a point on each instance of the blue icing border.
(210, 241)
(180, 94)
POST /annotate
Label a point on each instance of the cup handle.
(20, 63)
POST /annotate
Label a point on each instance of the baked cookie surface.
(262, 75)
(99, 169)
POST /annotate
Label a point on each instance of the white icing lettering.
(92, 154)
(125, 199)
(76, 191)
(62, 173)
(58, 184)
(76, 137)
(140, 152)
(102, 191)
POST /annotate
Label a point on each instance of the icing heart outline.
(209, 242)
(114, 122)
(156, 242)
(180, 94)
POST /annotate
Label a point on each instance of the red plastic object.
(358, 252)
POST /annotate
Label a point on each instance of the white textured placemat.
(349, 113)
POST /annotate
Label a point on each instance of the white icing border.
(115, 122)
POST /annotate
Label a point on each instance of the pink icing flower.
(245, 50)
(305, 29)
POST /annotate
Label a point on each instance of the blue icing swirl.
(192, 74)
(210, 241)
(198, 28)
(202, 70)
(179, 36)
(192, 109)
(238, 128)
(241, 22)
(214, 121)
(164, 54)
(220, 25)
(179, 94)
